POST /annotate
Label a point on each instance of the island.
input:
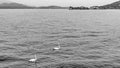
(78, 8)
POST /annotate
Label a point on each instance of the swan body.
(56, 48)
(32, 60)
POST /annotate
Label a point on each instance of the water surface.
(87, 35)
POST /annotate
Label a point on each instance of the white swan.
(34, 59)
(56, 48)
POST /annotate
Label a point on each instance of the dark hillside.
(115, 5)
(14, 5)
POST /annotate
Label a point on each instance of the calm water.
(87, 35)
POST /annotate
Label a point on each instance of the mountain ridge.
(52, 7)
(114, 5)
(13, 5)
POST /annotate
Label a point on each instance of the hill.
(115, 5)
(6, 4)
(52, 7)
(13, 5)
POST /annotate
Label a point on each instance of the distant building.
(94, 7)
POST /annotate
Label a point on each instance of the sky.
(86, 3)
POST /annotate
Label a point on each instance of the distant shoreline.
(14, 5)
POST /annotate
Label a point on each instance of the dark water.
(85, 36)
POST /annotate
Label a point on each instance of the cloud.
(5, 1)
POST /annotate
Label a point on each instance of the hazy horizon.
(62, 2)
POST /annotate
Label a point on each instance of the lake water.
(86, 35)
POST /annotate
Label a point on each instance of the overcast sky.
(65, 2)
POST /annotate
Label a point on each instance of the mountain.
(6, 4)
(52, 7)
(14, 6)
(114, 5)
